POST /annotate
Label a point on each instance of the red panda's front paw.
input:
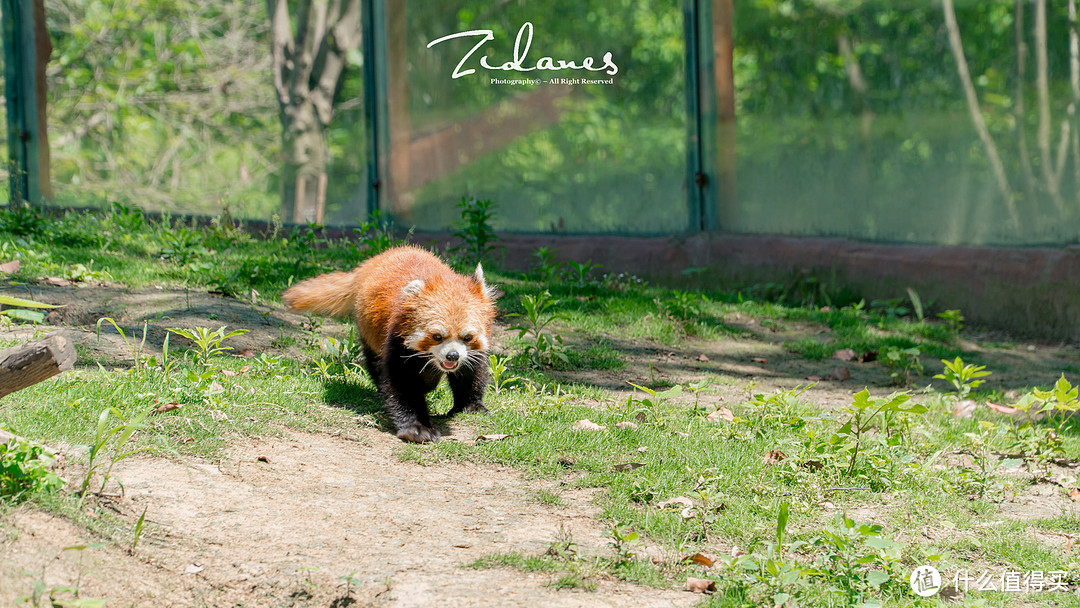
(476, 407)
(418, 433)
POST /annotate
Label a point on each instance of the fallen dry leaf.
(699, 558)
(626, 424)
(262, 459)
(494, 437)
(678, 500)
(56, 281)
(587, 425)
(812, 465)
(229, 373)
(759, 360)
(774, 456)
(246, 353)
(10, 267)
(964, 409)
(840, 373)
(844, 354)
(628, 466)
(566, 461)
(699, 585)
(193, 569)
(1074, 495)
(868, 356)
(703, 358)
(643, 449)
(721, 413)
(1004, 409)
(814, 378)
(682, 434)
(215, 387)
(167, 407)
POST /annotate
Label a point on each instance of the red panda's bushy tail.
(330, 294)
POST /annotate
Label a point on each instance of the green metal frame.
(17, 22)
(16, 18)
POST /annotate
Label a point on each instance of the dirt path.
(283, 532)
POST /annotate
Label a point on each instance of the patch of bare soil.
(279, 522)
(269, 328)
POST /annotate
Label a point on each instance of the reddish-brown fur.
(420, 322)
(374, 295)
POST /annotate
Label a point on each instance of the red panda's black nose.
(452, 356)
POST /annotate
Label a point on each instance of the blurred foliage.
(850, 116)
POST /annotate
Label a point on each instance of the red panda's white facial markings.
(448, 319)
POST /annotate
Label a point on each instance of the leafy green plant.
(376, 235)
(543, 347)
(546, 266)
(902, 363)
(953, 320)
(136, 533)
(208, 343)
(79, 273)
(963, 377)
(622, 541)
(134, 346)
(916, 303)
(857, 560)
(499, 375)
(183, 246)
(1035, 439)
(764, 575)
(580, 271)
(980, 475)
(864, 413)
(474, 229)
(104, 434)
(779, 408)
(653, 408)
(342, 357)
(33, 315)
(25, 469)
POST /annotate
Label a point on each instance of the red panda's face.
(450, 322)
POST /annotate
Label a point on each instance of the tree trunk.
(307, 66)
(1019, 105)
(303, 174)
(957, 46)
(1051, 171)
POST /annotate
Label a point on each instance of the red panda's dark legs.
(468, 387)
(405, 378)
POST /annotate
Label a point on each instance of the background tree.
(309, 50)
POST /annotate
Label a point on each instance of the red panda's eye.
(467, 338)
(437, 337)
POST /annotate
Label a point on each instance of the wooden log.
(30, 363)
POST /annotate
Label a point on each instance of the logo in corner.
(925, 581)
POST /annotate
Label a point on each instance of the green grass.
(914, 486)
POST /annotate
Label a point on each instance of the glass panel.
(170, 106)
(555, 155)
(853, 121)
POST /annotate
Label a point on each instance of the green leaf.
(10, 301)
(781, 523)
(33, 316)
(877, 578)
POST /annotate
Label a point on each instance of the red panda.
(419, 321)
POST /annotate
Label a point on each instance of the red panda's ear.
(489, 292)
(413, 288)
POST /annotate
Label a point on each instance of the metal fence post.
(26, 51)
